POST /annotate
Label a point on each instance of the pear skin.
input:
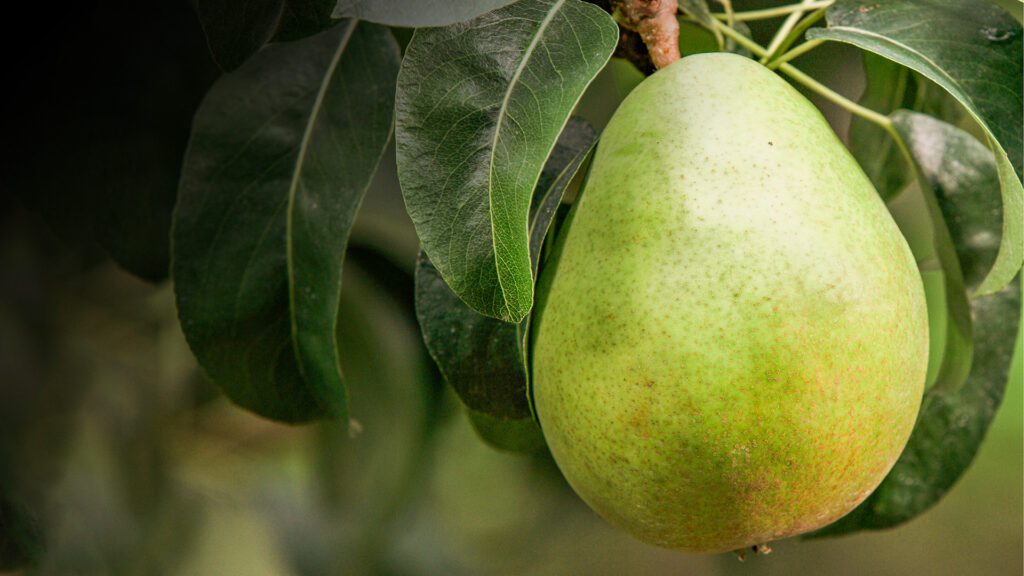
(731, 339)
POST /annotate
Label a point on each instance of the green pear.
(731, 340)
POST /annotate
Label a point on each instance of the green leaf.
(479, 356)
(236, 30)
(891, 86)
(521, 435)
(962, 171)
(303, 18)
(282, 151)
(574, 147)
(415, 13)
(973, 49)
(951, 425)
(479, 107)
(698, 10)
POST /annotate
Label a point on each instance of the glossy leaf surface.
(282, 151)
(479, 106)
(482, 357)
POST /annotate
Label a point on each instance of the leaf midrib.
(297, 175)
(527, 56)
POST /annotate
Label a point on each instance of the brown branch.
(655, 22)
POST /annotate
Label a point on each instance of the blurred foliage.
(133, 464)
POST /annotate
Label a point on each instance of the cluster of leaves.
(479, 101)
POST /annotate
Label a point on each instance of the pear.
(731, 339)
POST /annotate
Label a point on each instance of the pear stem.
(729, 15)
(783, 32)
(655, 21)
(810, 83)
(794, 53)
(840, 100)
(795, 33)
(768, 13)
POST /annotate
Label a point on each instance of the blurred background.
(118, 457)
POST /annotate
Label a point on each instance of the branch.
(655, 22)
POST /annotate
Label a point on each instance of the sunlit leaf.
(282, 151)
(480, 105)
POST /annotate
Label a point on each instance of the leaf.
(415, 13)
(303, 18)
(282, 151)
(973, 49)
(962, 171)
(521, 435)
(951, 426)
(891, 86)
(477, 355)
(479, 106)
(574, 147)
(480, 356)
(698, 10)
(236, 30)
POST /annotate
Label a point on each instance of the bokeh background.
(127, 460)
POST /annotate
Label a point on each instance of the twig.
(767, 13)
(810, 83)
(655, 22)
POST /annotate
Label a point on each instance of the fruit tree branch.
(655, 22)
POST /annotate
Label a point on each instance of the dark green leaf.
(236, 30)
(415, 13)
(962, 171)
(303, 18)
(480, 356)
(891, 86)
(951, 425)
(477, 355)
(973, 49)
(573, 148)
(281, 154)
(522, 435)
(479, 107)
